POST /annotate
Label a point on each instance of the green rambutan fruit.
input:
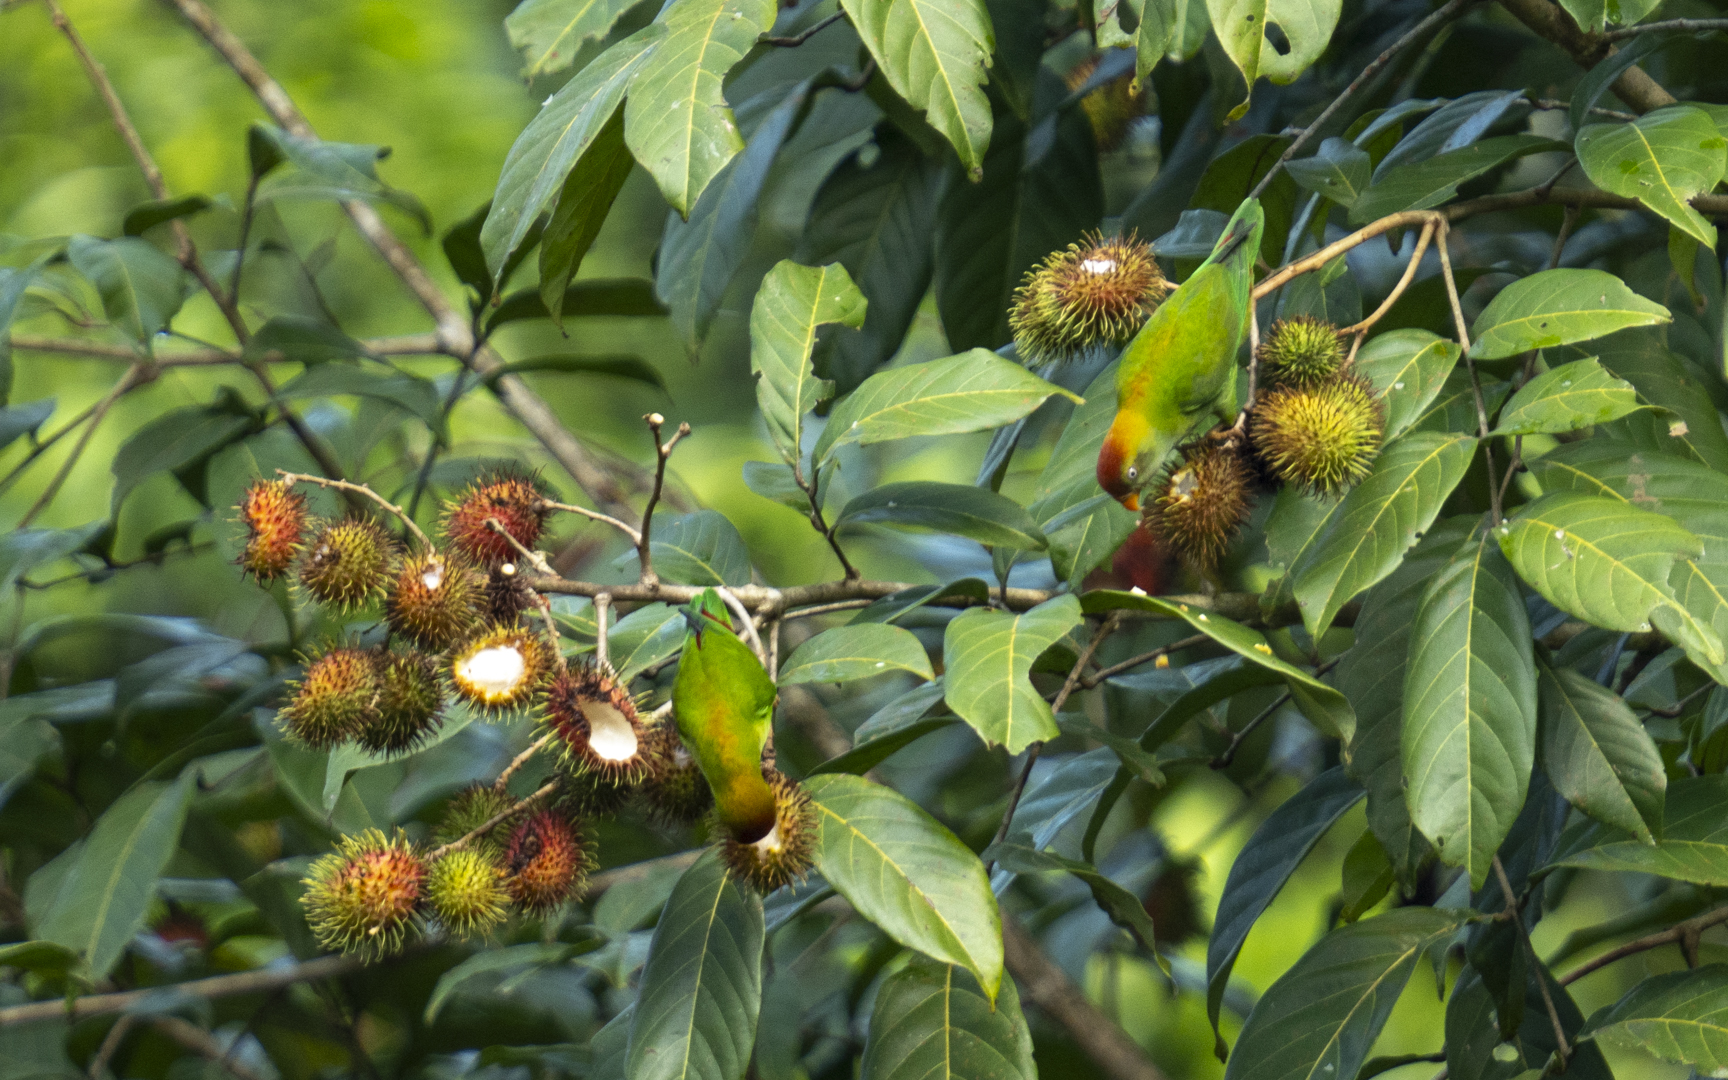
(507, 596)
(512, 498)
(548, 861)
(1323, 439)
(409, 701)
(675, 791)
(275, 518)
(1202, 501)
(501, 668)
(334, 700)
(1301, 351)
(1097, 292)
(1111, 108)
(471, 808)
(433, 600)
(347, 563)
(469, 891)
(597, 727)
(365, 897)
(784, 855)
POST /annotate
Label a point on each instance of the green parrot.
(723, 702)
(1179, 371)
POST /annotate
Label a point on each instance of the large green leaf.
(1567, 398)
(552, 143)
(325, 171)
(1263, 866)
(1420, 185)
(139, 285)
(108, 888)
(1085, 535)
(1378, 521)
(1681, 1016)
(958, 509)
(1599, 756)
(905, 872)
(1662, 379)
(645, 637)
(549, 32)
(1407, 369)
(1241, 26)
(1558, 307)
(989, 657)
(583, 204)
(1693, 845)
(410, 392)
(931, 1021)
(1125, 909)
(1595, 15)
(1663, 159)
(974, 391)
(301, 339)
(1469, 737)
(702, 986)
(676, 120)
(174, 440)
(791, 304)
(1320, 1018)
(934, 54)
(856, 651)
(700, 548)
(1339, 171)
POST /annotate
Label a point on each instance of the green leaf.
(1469, 737)
(175, 440)
(1367, 877)
(791, 304)
(552, 143)
(633, 368)
(1662, 379)
(583, 203)
(702, 986)
(1070, 477)
(141, 288)
(932, 1021)
(1139, 762)
(974, 391)
(934, 54)
(1124, 908)
(1594, 15)
(989, 657)
(331, 171)
(510, 958)
(1664, 159)
(414, 395)
(1262, 868)
(1567, 398)
(1340, 171)
(146, 216)
(856, 651)
(1693, 845)
(957, 509)
(1378, 521)
(625, 297)
(1421, 185)
(645, 637)
(1241, 26)
(701, 548)
(676, 120)
(1598, 754)
(867, 755)
(1320, 1018)
(905, 872)
(1322, 704)
(38, 956)
(22, 550)
(1084, 536)
(107, 890)
(550, 32)
(23, 420)
(1681, 1016)
(1454, 409)
(1407, 369)
(302, 340)
(1558, 307)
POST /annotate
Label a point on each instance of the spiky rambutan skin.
(1301, 351)
(512, 499)
(335, 699)
(598, 730)
(348, 563)
(1202, 502)
(275, 518)
(365, 897)
(1096, 292)
(507, 596)
(471, 808)
(1111, 108)
(784, 855)
(675, 791)
(502, 668)
(468, 891)
(1324, 439)
(586, 795)
(434, 600)
(547, 859)
(409, 703)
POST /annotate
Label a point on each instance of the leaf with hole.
(1244, 26)
(989, 655)
(1567, 398)
(1664, 159)
(792, 303)
(1558, 307)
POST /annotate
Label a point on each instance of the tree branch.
(1680, 25)
(1684, 934)
(363, 491)
(662, 452)
(1549, 20)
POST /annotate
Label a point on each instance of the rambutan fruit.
(469, 892)
(409, 701)
(501, 668)
(1301, 351)
(511, 498)
(784, 854)
(586, 795)
(1202, 502)
(548, 861)
(347, 563)
(334, 700)
(1110, 108)
(1324, 439)
(507, 596)
(365, 897)
(275, 518)
(433, 600)
(675, 791)
(596, 723)
(471, 808)
(1096, 292)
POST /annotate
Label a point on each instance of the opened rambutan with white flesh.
(596, 724)
(502, 668)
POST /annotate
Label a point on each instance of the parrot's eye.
(1133, 473)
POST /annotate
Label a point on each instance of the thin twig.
(602, 646)
(364, 492)
(110, 1046)
(1560, 1045)
(492, 822)
(1223, 761)
(533, 558)
(662, 451)
(516, 763)
(199, 1041)
(1551, 105)
(136, 375)
(1100, 675)
(246, 982)
(1331, 251)
(795, 40)
(635, 537)
(827, 609)
(1684, 934)
(1361, 329)
(745, 618)
(1682, 25)
(1671, 711)
(156, 559)
(1496, 506)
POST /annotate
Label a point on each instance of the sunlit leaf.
(857, 651)
(989, 657)
(1558, 307)
(934, 54)
(957, 509)
(1566, 398)
(791, 304)
(1663, 159)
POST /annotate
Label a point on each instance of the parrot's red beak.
(1111, 462)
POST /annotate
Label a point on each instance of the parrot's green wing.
(723, 702)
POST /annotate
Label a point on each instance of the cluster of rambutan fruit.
(459, 622)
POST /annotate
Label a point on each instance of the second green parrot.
(723, 703)
(1179, 372)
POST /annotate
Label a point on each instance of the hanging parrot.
(723, 703)
(1179, 371)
